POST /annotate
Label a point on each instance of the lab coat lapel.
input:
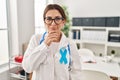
(63, 42)
(63, 45)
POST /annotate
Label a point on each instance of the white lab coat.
(45, 65)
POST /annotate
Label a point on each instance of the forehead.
(53, 13)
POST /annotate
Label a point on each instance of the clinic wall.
(22, 16)
(25, 9)
(92, 8)
(21, 24)
(13, 27)
(4, 75)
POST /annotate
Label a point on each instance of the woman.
(52, 56)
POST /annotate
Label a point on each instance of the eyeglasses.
(49, 20)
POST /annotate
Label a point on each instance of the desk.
(110, 68)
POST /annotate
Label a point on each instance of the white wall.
(22, 16)
(13, 26)
(21, 27)
(21, 23)
(26, 25)
(4, 75)
(92, 8)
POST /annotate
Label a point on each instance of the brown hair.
(56, 7)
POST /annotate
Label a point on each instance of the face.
(54, 21)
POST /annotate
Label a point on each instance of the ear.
(64, 21)
(63, 24)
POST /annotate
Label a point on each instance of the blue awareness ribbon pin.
(63, 58)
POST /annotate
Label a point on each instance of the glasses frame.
(61, 18)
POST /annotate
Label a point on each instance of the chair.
(94, 75)
(86, 52)
(86, 55)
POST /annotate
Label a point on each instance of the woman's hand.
(53, 36)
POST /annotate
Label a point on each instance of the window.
(3, 33)
(39, 8)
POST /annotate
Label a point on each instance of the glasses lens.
(48, 20)
(57, 20)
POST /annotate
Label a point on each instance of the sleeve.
(34, 55)
(76, 63)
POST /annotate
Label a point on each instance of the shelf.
(113, 44)
(91, 27)
(72, 28)
(17, 67)
(113, 29)
(13, 62)
(96, 38)
(93, 42)
(16, 63)
(77, 41)
(18, 76)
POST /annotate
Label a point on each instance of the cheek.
(46, 26)
(62, 25)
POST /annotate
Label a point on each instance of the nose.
(53, 22)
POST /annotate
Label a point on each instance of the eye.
(48, 18)
(58, 18)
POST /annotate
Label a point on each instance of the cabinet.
(16, 71)
(101, 40)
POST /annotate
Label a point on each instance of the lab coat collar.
(64, 41)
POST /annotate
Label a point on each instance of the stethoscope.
(63, 52)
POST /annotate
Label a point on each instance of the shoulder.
(71, 42)
(36, 37)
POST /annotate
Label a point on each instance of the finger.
(54, 40)
(55, 31)
(53, 35)
(51, 38)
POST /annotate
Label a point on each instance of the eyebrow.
(54, 17)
